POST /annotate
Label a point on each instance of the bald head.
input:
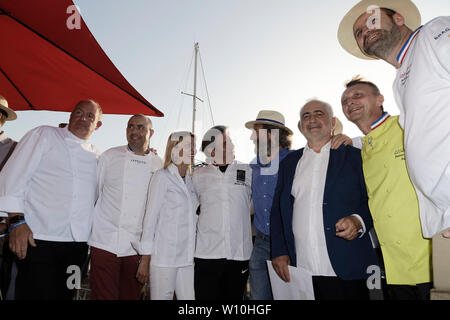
(147, 119)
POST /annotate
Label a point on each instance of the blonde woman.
(168, 237)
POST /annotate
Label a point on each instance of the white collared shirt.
(169, 223)
(224, 226)
(51, 178)
(307, 220)
(422, 93)
(123, 179)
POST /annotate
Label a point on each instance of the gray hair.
(324, 104)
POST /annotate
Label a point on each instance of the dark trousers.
(420, 291)
(112, 277)
(220, 279)
(6, 266)
(44, 273)
(334, 288)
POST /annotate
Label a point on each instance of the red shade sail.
(45, 65)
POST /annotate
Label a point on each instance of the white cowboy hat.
(270, 117)
(346, 37)
(11, 115)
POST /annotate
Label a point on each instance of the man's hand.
(281, 264)
(446, 233)
(154, 151)
(19, 238)
(143, 271)
(348, 227)
(339, 139)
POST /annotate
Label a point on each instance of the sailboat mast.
(194, 98)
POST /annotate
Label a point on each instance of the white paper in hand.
(299, 288)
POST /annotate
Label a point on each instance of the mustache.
(367, 37)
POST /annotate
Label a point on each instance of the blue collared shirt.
(264, 182)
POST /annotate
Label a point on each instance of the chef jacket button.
(389, 215)
(385, 165)
(385, 142)
(398, 242)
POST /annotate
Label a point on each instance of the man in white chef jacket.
(48, 189)
(392, 31)
(224, 237)
(124, 173)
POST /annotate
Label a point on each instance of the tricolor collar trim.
(380, 121)
(404, 50)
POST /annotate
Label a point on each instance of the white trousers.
(165, 281)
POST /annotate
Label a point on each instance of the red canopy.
(44, 65)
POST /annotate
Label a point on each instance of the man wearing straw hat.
(273, 141)
(391, 31)
(7, 146)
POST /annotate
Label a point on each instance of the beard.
(382, 46)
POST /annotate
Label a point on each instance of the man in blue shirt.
(273, 142)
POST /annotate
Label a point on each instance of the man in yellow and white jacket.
(393, 201)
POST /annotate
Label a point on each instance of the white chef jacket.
(224, 226)
(422, 92)
(51, 178)
(169, 223)
(307, 220)
(123, 179)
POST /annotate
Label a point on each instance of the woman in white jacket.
(168, 237)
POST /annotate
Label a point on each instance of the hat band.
(270, 120)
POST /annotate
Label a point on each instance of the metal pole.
(195, 89)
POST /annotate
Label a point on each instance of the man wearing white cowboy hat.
(7, 145)
(273, 142)
(390, 30)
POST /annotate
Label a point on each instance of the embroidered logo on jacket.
(405, 76)
(240, 177)
(438, 36)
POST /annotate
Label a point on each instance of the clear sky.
(257, 54)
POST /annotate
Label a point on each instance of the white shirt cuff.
(363, 229)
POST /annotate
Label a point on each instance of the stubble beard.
(382, 47)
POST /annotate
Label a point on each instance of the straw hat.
(270, 117)
(338, 128)
(346, 37)
(10, 112)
